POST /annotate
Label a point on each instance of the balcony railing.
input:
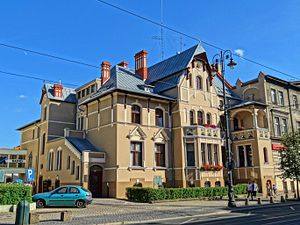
(260, 133)
(202, 131)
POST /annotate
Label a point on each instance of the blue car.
(64, 196)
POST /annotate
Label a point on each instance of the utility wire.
(49, 55)
(33, 77)
(193, 38)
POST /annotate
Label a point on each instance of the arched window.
(207, 184)
(43, 143)
(266, 158)
(136, 114)
(199, 83)
(191, 117)
(207, 85)
(217, 184)
(208, 118)
(191, 80)
(58, 159)
(159, 117)
(200, 118)
(50, 160)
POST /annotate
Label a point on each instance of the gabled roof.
(173, 64)
(68, 94)
(82, 144)
(29, 124)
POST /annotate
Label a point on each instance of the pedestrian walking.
(254, 190)
(249, 189)
(269, 189)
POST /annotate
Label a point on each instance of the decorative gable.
(137, 134)
(160, 136)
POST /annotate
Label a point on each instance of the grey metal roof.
(173, 64)
(68, 94)
(82, 144)
(247, 103)
(218, 84)
(29, 124)
(125, 79)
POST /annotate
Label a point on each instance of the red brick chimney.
(141, 64)
(123, 64)
(57, 89)
(105, 72)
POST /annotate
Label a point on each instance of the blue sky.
(266, 31)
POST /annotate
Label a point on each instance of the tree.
(290, 158)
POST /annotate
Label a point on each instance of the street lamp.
(222, 57)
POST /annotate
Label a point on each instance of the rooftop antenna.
(161, 30)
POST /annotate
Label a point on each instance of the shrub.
(12, 194)
(151, 194)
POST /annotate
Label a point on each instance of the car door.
(57, 198)
(72, 196)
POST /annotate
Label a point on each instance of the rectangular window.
(77, 173)
(68, 162)
(216, 155)
(73, 167)
(83, 93)
(241, 156)
(136, 152)
(190, 154)
(273, 96)
(203, 154)
(88, 91)
(79, 95)
(277, 127)
(295, 102)
(249, 155)
(280, 98)
(93, 88)
(160, 155)
(284, 126)
(33, 134)
(209, 155)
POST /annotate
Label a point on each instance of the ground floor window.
(160, 155)
(245, 156)
(136, 152)
(207, 184)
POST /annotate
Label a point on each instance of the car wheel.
(80, 204)
(40, 203)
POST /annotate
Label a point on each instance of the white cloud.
(239, 52)
(22, 96)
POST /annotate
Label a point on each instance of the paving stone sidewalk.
(106, 211)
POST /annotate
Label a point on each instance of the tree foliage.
(290, 157)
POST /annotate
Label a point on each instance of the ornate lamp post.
(222, 57)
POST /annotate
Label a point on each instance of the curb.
(222, 212)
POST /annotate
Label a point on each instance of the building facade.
(155, 126)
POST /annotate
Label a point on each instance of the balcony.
(208, 131)
(247, 134)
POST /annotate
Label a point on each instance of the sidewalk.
(110, 211)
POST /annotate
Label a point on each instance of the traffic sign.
(29, 175)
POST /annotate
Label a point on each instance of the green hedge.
(151, 194)
(11, 194)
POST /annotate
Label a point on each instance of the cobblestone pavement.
(113, 210)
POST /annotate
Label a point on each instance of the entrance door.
(95, 181)
(40, 184)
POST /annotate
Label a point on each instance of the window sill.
(159, 168)
(136, 168)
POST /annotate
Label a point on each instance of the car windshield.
(86, 190)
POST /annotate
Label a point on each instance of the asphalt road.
(280, 214)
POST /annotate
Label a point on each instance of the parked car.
(64, 196)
